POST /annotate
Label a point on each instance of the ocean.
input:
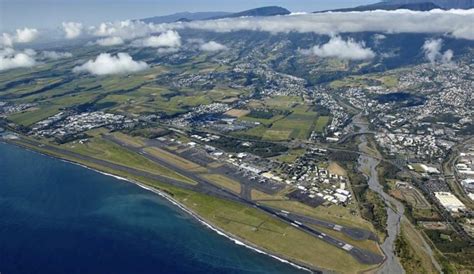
(57, 217)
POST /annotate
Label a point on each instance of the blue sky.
(50, 13)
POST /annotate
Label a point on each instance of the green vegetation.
(263, 149)
(347, 216)
(388, 81)
(105, 150)
(409, 247)
(321, 123)
(224, 182)
(291, 155)
(260, 114)
(29, 117)
(457, 252)
(373, 209)
(292, 121)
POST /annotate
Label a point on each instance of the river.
(395, 209)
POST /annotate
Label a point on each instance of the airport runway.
(295, 220)
(206, 187)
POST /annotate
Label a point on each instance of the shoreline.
(236, 240)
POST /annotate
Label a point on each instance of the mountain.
(445, 4)
(263, 11)
(184, 16)
(192, 16)
(417, 5)
(421, 6)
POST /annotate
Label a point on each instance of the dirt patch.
(237, 112)
(335, 168)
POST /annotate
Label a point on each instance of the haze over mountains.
(445, 4)
(417, 5)
(193, 16)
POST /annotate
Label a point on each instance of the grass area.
(369, 245)
(282, 102)
(410, 249)
(388, 81)
(289, 120)
(259, 195)
(253, 226)
(132, 141)
(105, 150)
(223, 182)
(271, 234)
(321, 123)
(173, 159)
(276, 135)
(263, 121)
(335, 214)
(32, 116)
(299, 122)
(374, 209)
(291, 156)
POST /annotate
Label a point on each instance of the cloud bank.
(55, 55)
(106, 64)
(10, 59)
(128, 29)
(432, 50)
(110, 41)
(168, 39)
(72, 29)
(24, 35)
(212, 46)
(338, 48)
(457, 23)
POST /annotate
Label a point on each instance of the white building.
(449, 201)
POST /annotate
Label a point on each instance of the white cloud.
(432, 50)
(9, 59)
(168, 50)
(6, 40)
(25, 35)
(168, 39)
(110, 41)
(72, 29)
(128, 29)
(447, 56)
(212, 46)
(108, 64)
(453, 22)
(378, 38)
(338, 48)
(55, 55)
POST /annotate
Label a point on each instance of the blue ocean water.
(56, 217)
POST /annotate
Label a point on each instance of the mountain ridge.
(193, 16)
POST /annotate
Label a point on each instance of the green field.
(29, 117)
(105, 150)
(321, 123)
